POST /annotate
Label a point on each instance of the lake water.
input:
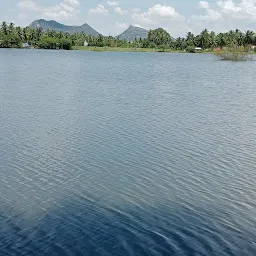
(126, 154)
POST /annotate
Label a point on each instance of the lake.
(126, 154)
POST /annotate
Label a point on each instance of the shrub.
(48, 43)
(10, 41)
(233, 54)
(163, 47)
(64, 44)
(54, 43)
(191, 49)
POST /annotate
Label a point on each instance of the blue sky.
(111, 17)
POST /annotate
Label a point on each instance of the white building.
(26, 45)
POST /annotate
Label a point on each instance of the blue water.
(126, 154)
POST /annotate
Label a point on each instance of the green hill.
(133, 32)
(51, 24)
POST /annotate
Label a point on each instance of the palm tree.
(190, 39)
(39, 33)
(205, 39)
(26, 34)
(232, 38)
(240, 37)
(19, 33)
(222, 40)
(249, 38)
(212, 40)
(4, 28)
(11, 28)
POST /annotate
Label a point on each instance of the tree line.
(12, 36)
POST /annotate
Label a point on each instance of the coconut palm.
(249, 38)
(4, 28)
(190, 39)
(213, 40)
(205, 43)
(222, 40)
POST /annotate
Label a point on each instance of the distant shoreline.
(110, 49)
(120, 49)
(157, 50)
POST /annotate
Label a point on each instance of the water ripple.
(160, 162)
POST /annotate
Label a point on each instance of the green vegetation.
(234, 54)
(121, 49)
(54, 43)
(8, 36)
(158, 40)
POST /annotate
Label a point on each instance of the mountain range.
(129, 34)
(54, 25)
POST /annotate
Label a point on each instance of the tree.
(221, 40)
(212, 40)
(190, 39)
(249, 37)
(11, 29)
(11, 36)
(240, 37)
(159, 36)
(64, 43)
(205, 42)
(4, 28)
(48, 43)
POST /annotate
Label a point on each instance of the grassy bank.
(120, 49)
(223, 55)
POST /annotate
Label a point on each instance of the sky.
(111, 17)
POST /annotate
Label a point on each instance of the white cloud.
(64, 10)
(100, 9)
(156, 15)
(224, 15)
(228, 10)
(162, 11)
(162, 16)
(211, 16)
(120, 11)
(243, 10)
(221, 15)
(204, 5)
(228, 6)
(112, 3)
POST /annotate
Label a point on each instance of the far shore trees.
(13, 37)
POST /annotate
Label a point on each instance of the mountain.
(133, 32)
(51, 24)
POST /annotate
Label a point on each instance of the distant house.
(86, 43)
(26, 45)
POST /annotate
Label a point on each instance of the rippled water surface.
(126, 154)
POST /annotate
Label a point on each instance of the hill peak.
(132, 33)
(54, 25)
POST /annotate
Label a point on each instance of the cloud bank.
(220, 15)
